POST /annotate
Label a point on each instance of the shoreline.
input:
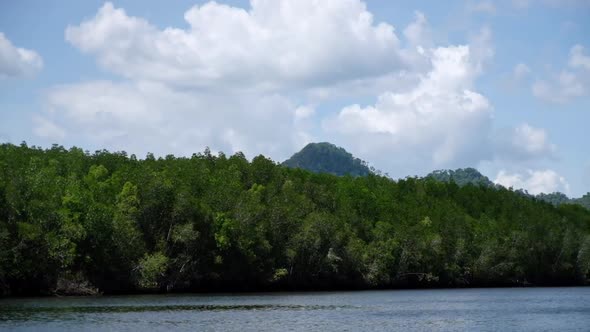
(280, 291)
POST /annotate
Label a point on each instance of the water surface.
(506, 309)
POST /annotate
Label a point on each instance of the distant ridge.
(326, 157)
(461, 176)
(558, 198)
(464, 176)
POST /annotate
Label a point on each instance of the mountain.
(327, 158)
(558, 198)
(461, 176)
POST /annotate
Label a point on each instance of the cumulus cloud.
(440, 122)
(273, 44)
(418, 32)
(148, 116)
(229, 80)
(232, 79)
(570, 83)
(251, 80)
(534, 181)
(522, 143)
(16, 61)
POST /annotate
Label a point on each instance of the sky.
(408, 86)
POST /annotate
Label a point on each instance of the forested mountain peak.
(326, 157)
(461, 176)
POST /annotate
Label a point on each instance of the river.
(500, 309)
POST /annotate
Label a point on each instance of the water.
(515, 309)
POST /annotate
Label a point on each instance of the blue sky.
(503, 86)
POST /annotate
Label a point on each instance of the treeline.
(464, 176)
(70, 219)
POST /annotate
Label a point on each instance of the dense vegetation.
(461, 177)
(327, 158)
(111, 221)
(464, 176)
(556, 198)
(560, 198)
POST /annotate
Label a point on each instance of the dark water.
(516, 309)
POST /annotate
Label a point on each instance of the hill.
(558, 198)
(464, 176)
(461, 176)
(327, 158)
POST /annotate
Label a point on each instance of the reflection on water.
(28, 313)
(563, 309)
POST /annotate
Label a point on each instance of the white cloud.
(231, 79)
(565, 87)
(146, 116)
(578, 58)
(534, 181)
(524, 143)
(17, 62)
(251, 80)
(481, 49)
(275, 43)
(441, 122)
(570, 83)
(304, 112)
(224, 80)
(44, 128)
(418, 32)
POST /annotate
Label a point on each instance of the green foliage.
(461, 177)
(558, 198)
(554, 198)
(465, 176)
(327, 158)
(152, 269)
(208, 222)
